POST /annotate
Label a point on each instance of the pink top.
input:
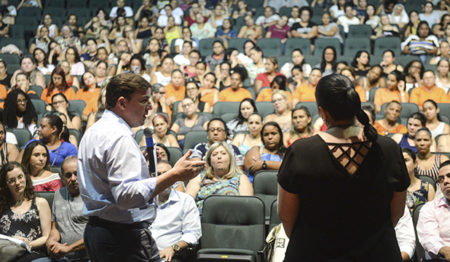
(433, 227)
(280, 33)
(263, 77)
(51, 183)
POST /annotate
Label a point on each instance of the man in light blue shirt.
(114, 179)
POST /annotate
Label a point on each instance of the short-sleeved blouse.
(197, 127)
(349, 219)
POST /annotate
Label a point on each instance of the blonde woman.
(222, 176)
(282, 115)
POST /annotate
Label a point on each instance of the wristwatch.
(264, 165)
(176, 248)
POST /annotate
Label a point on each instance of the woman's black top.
(7, 81)
(343, 216)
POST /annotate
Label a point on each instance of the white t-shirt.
(346, 22)
(264, 20)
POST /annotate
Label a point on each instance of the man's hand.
(445, 252)
(188, 169)
(167, 254)
(59, 250)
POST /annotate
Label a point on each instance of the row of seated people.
(222, 176)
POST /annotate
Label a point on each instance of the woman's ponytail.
(369, 131)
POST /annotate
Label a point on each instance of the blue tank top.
(404, 144)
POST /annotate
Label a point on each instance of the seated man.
(177, 223)
(68, 223)
(433, 227)
(217, 132)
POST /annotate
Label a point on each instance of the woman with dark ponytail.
(362, 180)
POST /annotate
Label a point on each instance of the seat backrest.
(194, 137)
(237, 43)
(233, 222)
(321, 43)
(10, 58)
(265, 108)
(274, 218)
(22, 135)
(312, 107)
(221, 108)
(302, 43)
(206, 45)
(265, 186)
(359, 31)
(429, 180)
(384, 43)
(353, 45)
(77, 106)
(39, 106)
(270, 46)
(175, 154)
(48, 195)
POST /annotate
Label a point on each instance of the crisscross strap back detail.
(350, 155)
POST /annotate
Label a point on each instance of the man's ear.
(122, 102)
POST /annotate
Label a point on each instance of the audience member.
(279, 30)
(428, 90)
(19, 112)
(264, 79)
(240, 124)
(268, 19)
(268, 156)
(250, 30)
(297, 59)
(361, 63)
(434, 122)
(348, 19)
(305, 28)
(433, 223)
(36, 161)
(423, 44)
(28, 67)
(395, 91)
(60, 104)
(414, 122)
(372, 18)
(429, 16)
(412, 25)
(329, 29)
(236, 92)
(406, 237)
(57, 85)
(282, 106)
(388, 62)
(442, 73)
(413, 74)
(390, 123)
(177, 223)
(427, 164)
(301, 125)
(328, 61)
(222, 176)
(190, 121)
(245, 141)
(306, 92)
(8, 151)
(23, 215)
(66, 236)
(419, 191)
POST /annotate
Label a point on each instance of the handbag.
(9, 251)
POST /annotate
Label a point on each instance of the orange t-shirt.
(398, 129)
(305, 93)
(421, 94)
(91, 99)
(228, 95)
(178, 93)
(384, 95)
(266, 95)
(209, 98)
(362, 93)
(3, 93)
(69, 93)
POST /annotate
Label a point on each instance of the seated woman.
(268, 156)
(57, 85)
(361, 63)
(161, 136)
(193, 92)
(222, 176)
(373, 79)
(209, 91)
(50, 130)
(419, 192)
(66, 135)
(423, 44)
(282, 115)
(396, 90)
(218, 55)
(245, 141)
(61, 104)
(37, 164)
(415, 122)
(191, 120)
(298, 59)
(434, 123)
(23, 215)
(388, 62)
(100, 108)
(239, 124)
(71, 80)
(264, 79)
(427, 164)
(278, 83)
(389, 124)
(23, 83)
(19, 111)
(8, 151)
(301, 125)
(413, 74)
(89, 93)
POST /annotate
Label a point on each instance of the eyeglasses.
(58, 102)
(277, 100)
(212, 130)
(13, 180)
(187, 105)
(22, 101)
(70, 174)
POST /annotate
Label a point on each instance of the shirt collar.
(173, 198)
(443, 202)
(111, 116)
